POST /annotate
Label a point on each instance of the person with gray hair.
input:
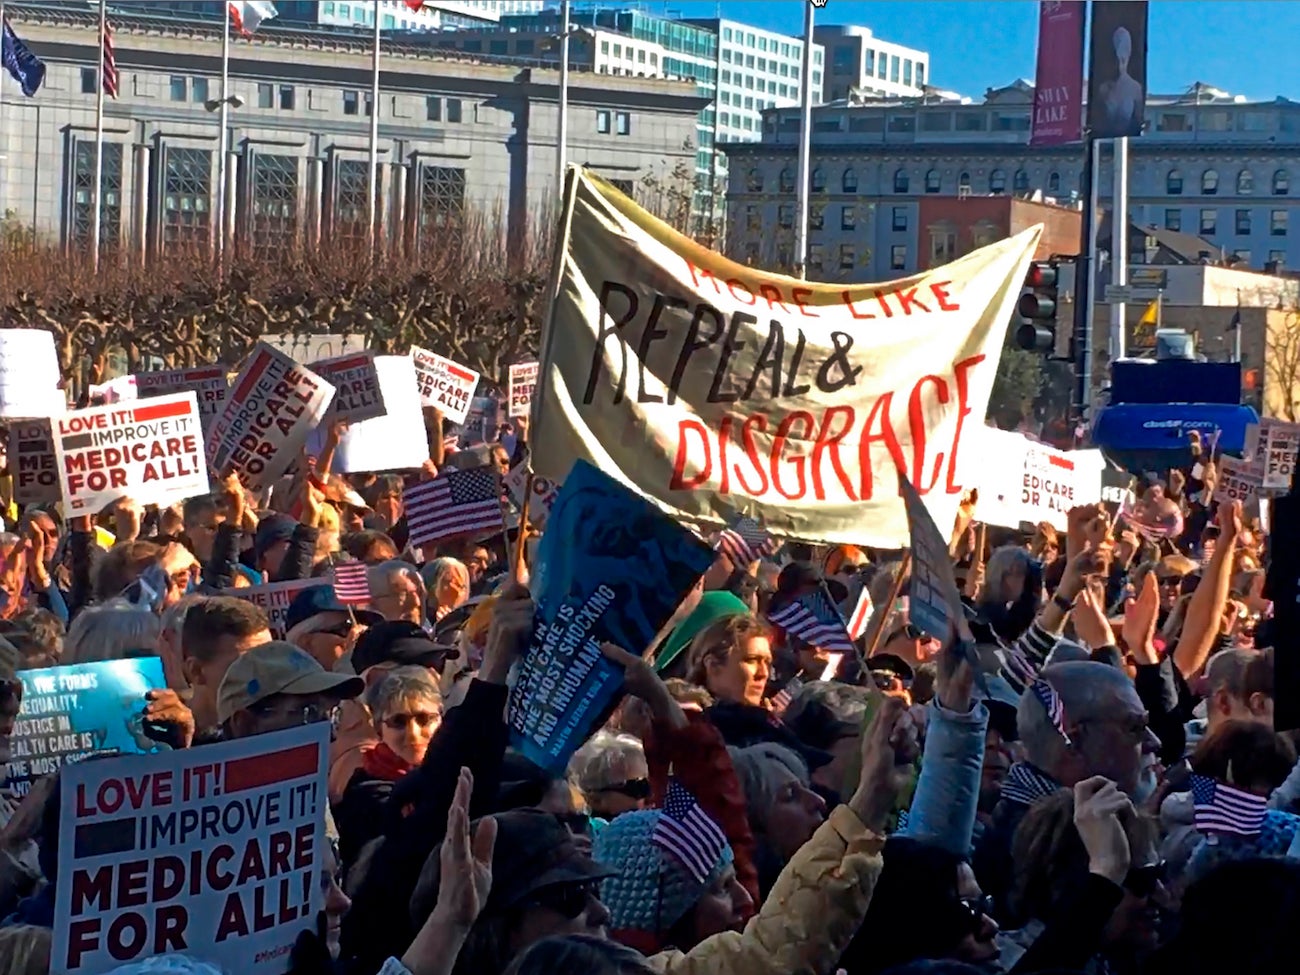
(783, 810)
(169, 641)
(397, 591)
(611, 772)
(446, 580)
(115, 630)
(829, 715)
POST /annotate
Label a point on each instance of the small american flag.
(781, 700)
(1052, 704)
(453, 504)
(686, 832)
(351, 583)
(1220, 808)
(745, 541)
(815, 620)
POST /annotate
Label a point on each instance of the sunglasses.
(632, 788)
(338, 629)
(978, 908)
(1143, 881)
(566, 900)
(421, 719)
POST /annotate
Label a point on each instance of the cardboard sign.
(1238, 481)
(357, 393)
(1281, 441)
(273, 599)
(274, 405)
(70, 713)
(151, 452)
(29, 373)
(214, 851)
(209, 384)
(544, 493)
(121, 389)
(1020, 480)
(32, 463)
(444, 384)
(523, 377)
(395, 441)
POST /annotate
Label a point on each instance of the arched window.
(849, 181)
(1245, 183)
(1281, 183)
(963, 182)
(1174, 183)
(1209, 182)
(1053, 182)
(1020, 182)
(787, 180)
(932, 181)
(901, 182)
(755, 180)
(997, 181)
(818, 180)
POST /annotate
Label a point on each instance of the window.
(901, 181)
(787, 180)
(817, 216)
(848, 257)
(1209, 222)
(1277, 223)
(274, 212)
(1174, 219)
(454, 116)
(1281, 183)
(1277, 257)
(604, 124)
(187, 196)
(1020, 182)
(869, 63)
(1174, 183)
(816, 255)
(89, 76)
(625, 187)
(286, 98)
(432, 108)
(900, 219)
(1243, 222)
(442, 198)
(1209, 182)
(83, 197)
(943, 247)
(963, 183)
(180, 88)
(933, 182)
(1053, 182)
(849, 181)
(350, 101)
(623, 123)
(818, 181)
(266, 98)
(997, 181)
(848, 218)
(351, 179)
(785, 215)
(198, 90)
(753, 217)
(894, 63)
(1245, 183)
(898, 257)
(755, 181)
(1241, 256)
(920, 75)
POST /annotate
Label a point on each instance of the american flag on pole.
(1052, 703)
(782, 698)
(814, 620)
(351, 583)
(454, 504)
(745, 541)
(109, 76)
(1220, 808)
(686, 832)
(248, 15)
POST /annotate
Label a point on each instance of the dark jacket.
(360, 814)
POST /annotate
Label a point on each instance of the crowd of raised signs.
(325, 727)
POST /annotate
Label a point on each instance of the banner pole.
(877, 626)
(805, 148)
(565, 230)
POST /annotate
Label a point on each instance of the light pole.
(562, 126)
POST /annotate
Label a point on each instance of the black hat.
(399, 642)
(533, 850)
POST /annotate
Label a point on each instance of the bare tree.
(1282, 367)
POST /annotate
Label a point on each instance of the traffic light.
(1037, 308)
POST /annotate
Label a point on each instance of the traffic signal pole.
(1081, 343)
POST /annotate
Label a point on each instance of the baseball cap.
(271, 529)
(399, 642)
(534, 850)
(315, 600)
(279, 668)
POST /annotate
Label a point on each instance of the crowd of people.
(1032, 808)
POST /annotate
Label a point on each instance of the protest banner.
(215, 852)
(1020, 480)
(1281, 441)
(544, 489)
(444, 384)
(1238, 481)
(523, 377)
(611, 568)
(29, 374)
(395, 441)
(273, 407)
(715, 388)
(208, 383)
(32, 462)
(357, 393)
(151, 452)
(273, 599)
(72, 712)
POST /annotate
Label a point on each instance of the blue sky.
(976, 44)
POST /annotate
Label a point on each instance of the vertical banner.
(209, 384)
(357, 393)
(32, 463)
(1117, 69)
(214, 851)
(150, 451)
(1058, 80)
(444, 384)
(523, 377)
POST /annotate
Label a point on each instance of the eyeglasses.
(338, 629)
(308, 714)
(632, 788)
(979, 908)
(566, 900)
(1143, 881)
(421, 719)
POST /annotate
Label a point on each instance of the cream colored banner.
(712, 387)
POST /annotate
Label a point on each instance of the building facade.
(455, 135)
(394, 14)
(1208, 165)
(858, 62)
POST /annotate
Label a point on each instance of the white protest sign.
(395, 441)
(32, 463)
(209, 383)
(443, 383)
(122, 389)
(1020, 480)
(523, 377)
(29, 373)
(273, 406)
(1280, 441)
(357, 393)
(150, 451)
(215, 852)
(1237, 481)
(273, 599)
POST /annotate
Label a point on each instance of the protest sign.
(29, 373)
(208, 383)
(357, 393)
(121, 389)
(523, 377)
(1281, 441)
(480, 424)
(1238, 481)
(544, 492)
(32, 462)
(395, 441)
(70, 713)
(715, 388)
(444, 384)
(151, 452)
(1020, 480)
(274, 405)
(215, 852)
(273, 599)
(611, 568)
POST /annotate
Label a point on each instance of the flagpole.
(805, 148)
(373, 184)
(97, 222)
(223, 116)
(562, 124)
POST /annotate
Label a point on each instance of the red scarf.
(383, 763)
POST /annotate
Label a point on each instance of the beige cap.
(278, 668)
